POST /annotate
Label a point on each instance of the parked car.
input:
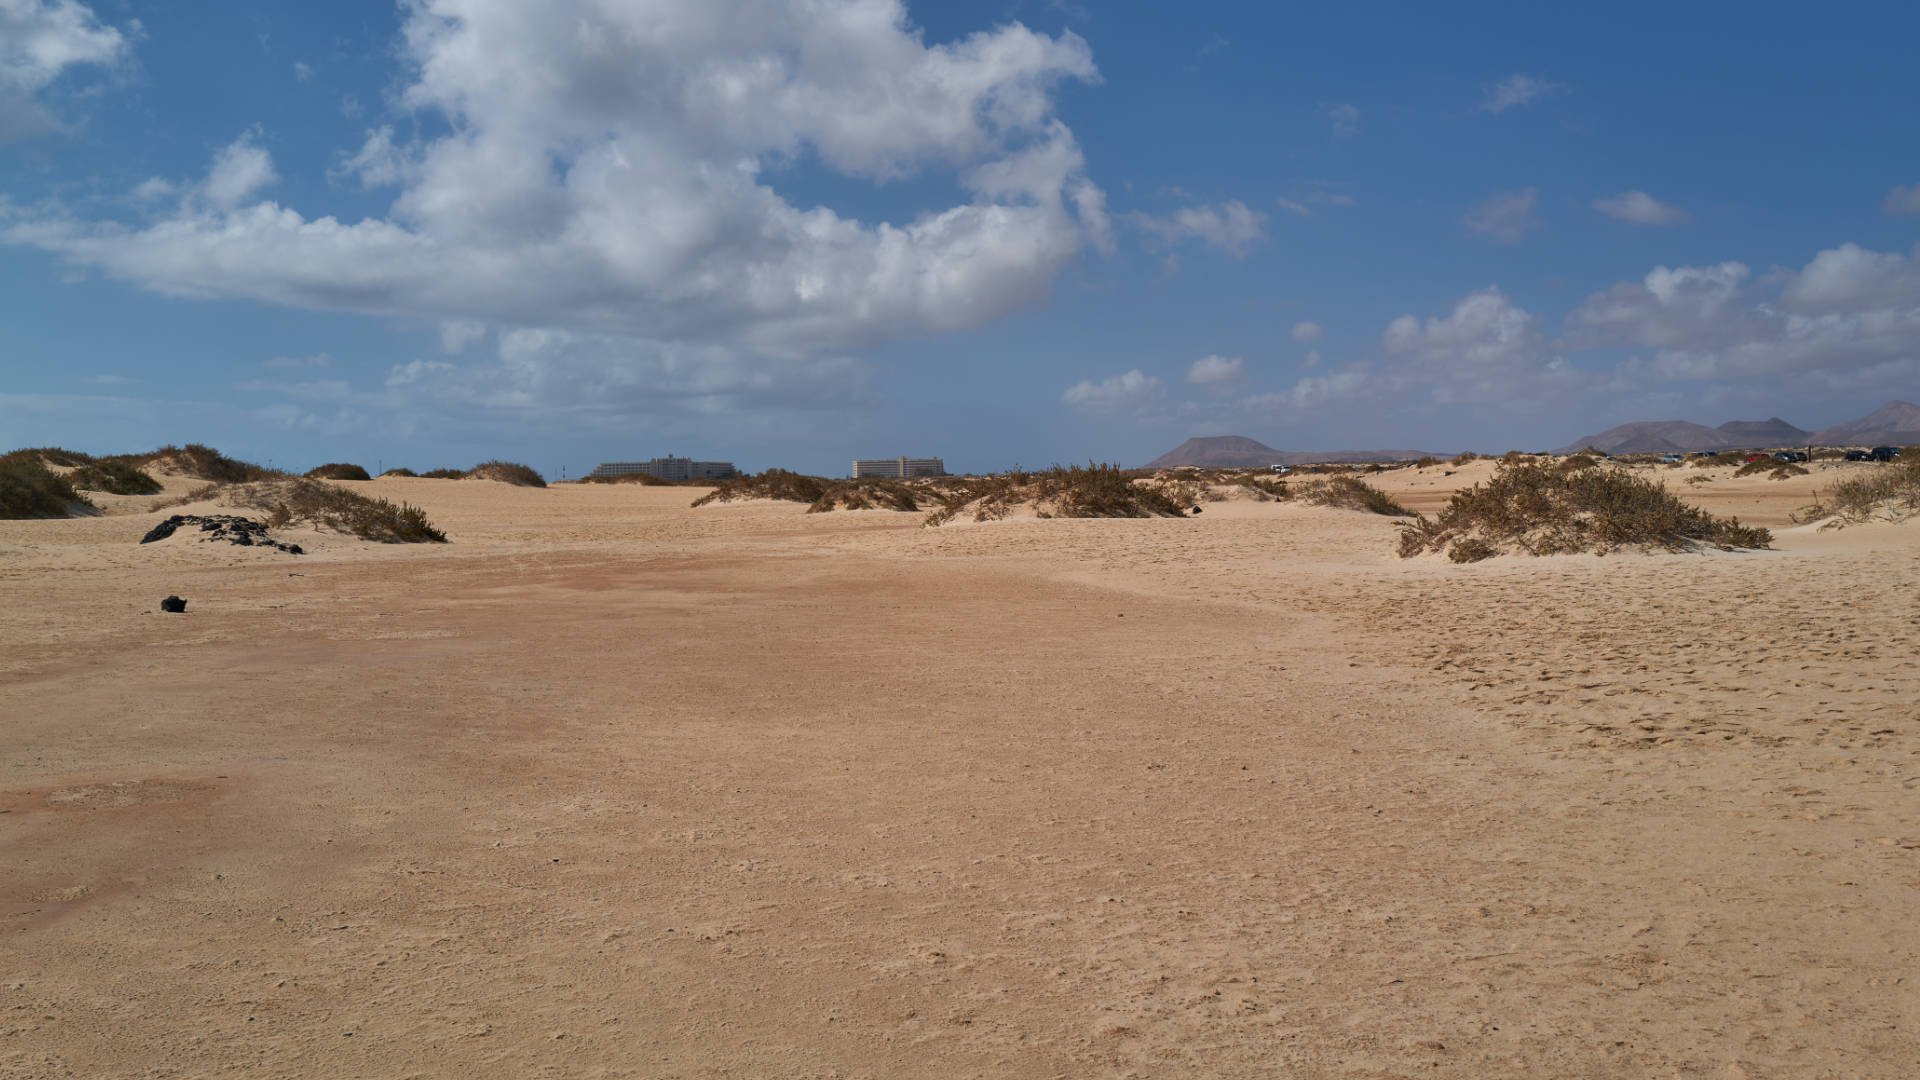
(1859, 455)
(1790, 455)
(1283, 469)
(1671, 459)
(1751, 458)
(1885, 453)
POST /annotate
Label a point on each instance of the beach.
(609, 786)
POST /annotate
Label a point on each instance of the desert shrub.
(1353, 493)
(1462, 459)
(338, 470)
(1777, 470)
(114, 477)
(779, 484)
(1713, 460)
(337, 508)
(1576, 463)
(54, 455)
(1090, 491)
(399, 472)
(640, 478)
(1426, 461)
(866, 493)
(1266, 485)
(28, 489)
(444, 474)
(206, 463)
(1548, 511)
(506, 472)
(1894, 493)
(1512, 456)
(1471, 549)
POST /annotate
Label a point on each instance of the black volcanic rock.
(230, 528)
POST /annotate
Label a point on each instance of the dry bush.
(1512, 456)
(28, 489)
(398, 472)
(1353, 493)
(114, 477)
(1471, 550)
(206, 463)
(1777, 470)
(331, 507)
(444, 474)
(1541, 510)
(1577, 462)
(643, 479)
(866, 493)
(338, 470)
(1265, 485)
(1713, 460)
(1891, 493)
(506, 472)
(1091, 491)
(1462, 459)
(777, 484)
(1426, 461)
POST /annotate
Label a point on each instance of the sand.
(610, 787)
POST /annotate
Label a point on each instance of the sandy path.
(613, 788)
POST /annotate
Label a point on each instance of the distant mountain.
(1652, 437)
(1897, 423)
(1757, 433)
(1240, 452)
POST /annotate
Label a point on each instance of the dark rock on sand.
(173, 604)
(231, 528)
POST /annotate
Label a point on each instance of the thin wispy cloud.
(1515, 91)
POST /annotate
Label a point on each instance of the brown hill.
(1772, 431)
(1240, 452)
(1652, 437)
(1897, 423)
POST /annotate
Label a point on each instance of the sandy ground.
(609, 787)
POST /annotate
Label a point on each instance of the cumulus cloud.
(1486, 349)
(1308, 331)
(1131, 390)
(1345, 119)
(40, 41)
(1217, 371)
(627, 196)
(1902, 201)
(1507, 216)
(1849, 317)
(1232, 227)
(1516, 90)
(1640, 208)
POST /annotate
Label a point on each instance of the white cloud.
(1231, 227)
(1515, 90)
(1902, 200)
(1131, 390)
(1486, 349)
(1345, 119)
(40, 40)
(1640, 208)
(1308, 331)
(239, 170)
(378, 162)
(1217, 371)
(457, 334)
(1507, 216)
(1293, 207)
(302, 71)
(1849, 318)
(628, 193)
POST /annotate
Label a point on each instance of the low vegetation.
(1777, 470)
(1462, 459)
(1089, 491)
(1352, 493)
(778, 484)
(327, 506)
(1577, 462)
(444, 474)
(113, 476)
(28, 489)
(866, 494)
(338, 470)
(1888, 493)
(399, 472)
(507, 472)
(640, 478)
(206, 463)
(1541, 510)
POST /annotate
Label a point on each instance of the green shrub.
(338, 470)
(28, 489)
(1549, 511)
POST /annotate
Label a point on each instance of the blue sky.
(796, 233)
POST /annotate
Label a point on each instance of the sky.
(795, 232)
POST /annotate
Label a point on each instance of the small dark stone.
(164, 529)
(173, 604)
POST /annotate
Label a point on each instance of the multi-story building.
(899, 468)
(666, 468)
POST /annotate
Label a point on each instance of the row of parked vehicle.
(1878, 453)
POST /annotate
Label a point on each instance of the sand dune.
(612, 787)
